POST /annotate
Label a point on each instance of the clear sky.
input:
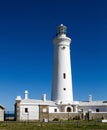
(26, 50)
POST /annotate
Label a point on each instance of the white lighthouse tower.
(62, 78)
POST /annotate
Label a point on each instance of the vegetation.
(56, 125)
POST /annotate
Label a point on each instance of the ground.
(60, 125)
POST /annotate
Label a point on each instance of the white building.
(31, 109)
(61, 104)
(94, 106)
(62, 77)
(2, 113)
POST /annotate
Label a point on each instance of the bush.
(55, 119)
(76, 118)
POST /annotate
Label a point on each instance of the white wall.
(51, 109)
(1, 114)
(33, 112)
(93, 108)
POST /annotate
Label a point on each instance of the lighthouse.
(62, 77)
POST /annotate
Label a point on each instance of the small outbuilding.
(2, 109)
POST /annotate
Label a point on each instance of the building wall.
(52, 109)
(62, 108)
(17, 110)
(94, 108)
(31, 114)
(1, 114)
(43, 113)
(97, 115)
(77, 116)
(63, 116)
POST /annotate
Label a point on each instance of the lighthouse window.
(64, 75)
(64, 88)
(63, 48)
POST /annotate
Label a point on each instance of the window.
(64, 88)
(97, 110)
(26, 110)
(55, 110)
(44, 109)
(63, 48)
(64, 75)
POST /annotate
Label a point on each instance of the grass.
(64, 125)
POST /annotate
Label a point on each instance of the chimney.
(18, 98)
(44, 97)
(90, 98)
(26, 94)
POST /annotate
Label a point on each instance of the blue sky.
(26, 50)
